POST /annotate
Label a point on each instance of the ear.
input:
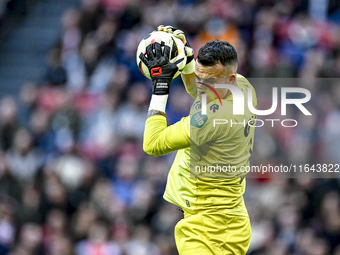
(232, 78)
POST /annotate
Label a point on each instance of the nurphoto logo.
(238, 105)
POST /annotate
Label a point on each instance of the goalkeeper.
(215, 220)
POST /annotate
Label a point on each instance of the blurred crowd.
(10, 8)
(74, 179)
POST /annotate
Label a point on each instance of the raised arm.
(159, 139)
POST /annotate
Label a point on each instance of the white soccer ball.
(177, 50)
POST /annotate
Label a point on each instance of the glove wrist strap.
(161, 86)
(158, 102)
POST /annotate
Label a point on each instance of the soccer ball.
(177, 50)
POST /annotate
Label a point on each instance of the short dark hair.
(217, 51)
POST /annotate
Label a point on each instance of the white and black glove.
(161, 70)
(190, 64)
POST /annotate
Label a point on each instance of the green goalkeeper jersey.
(205, 142)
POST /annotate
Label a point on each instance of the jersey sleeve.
(160, 139)
(192, 92)
(190, 84)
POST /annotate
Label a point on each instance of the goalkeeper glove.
(190, 64)
(161, 69)
(162, 72)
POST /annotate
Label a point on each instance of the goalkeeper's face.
(208, 76)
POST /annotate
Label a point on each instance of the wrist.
(158, 102)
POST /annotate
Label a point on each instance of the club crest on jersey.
(198, 120)
(196, 106)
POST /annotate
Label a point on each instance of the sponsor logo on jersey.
(214, 107)
(198, 120)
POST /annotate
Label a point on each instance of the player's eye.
(209, 81)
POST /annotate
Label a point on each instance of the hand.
(190, 64)
(161, 69)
